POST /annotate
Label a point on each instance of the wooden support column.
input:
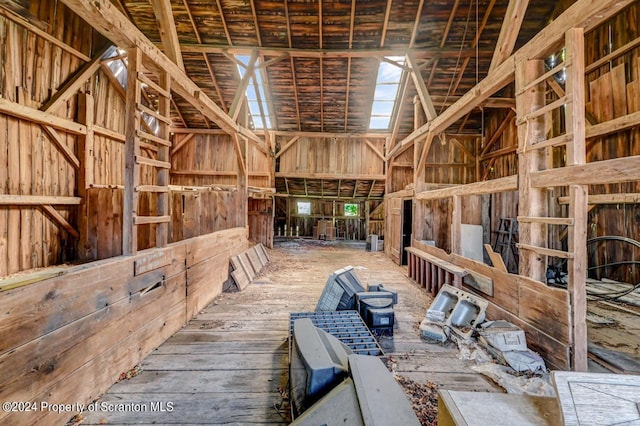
(456, 225)
(164, 109)
(85, 174)
(418, 173)
(131, 151)
(243, 176)
(577, 235)
(532, 202)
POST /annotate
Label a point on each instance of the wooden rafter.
(421, 88)
(352, 19)
(224, 23)
(240, 96)
(385, 24)
(168, 32)
(207, 62)
(416, 24)
(509, 32)
(447, 28)
(399, 106)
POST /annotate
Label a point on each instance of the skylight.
(386, 93)
(256, 95)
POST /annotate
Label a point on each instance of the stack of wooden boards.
(248, 264)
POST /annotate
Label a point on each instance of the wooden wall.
(614, 91)
(33, 69)
(205, 160)
(260, 212)
(69, 338)
(447, 163)
(193, 213)
(339, 156)
(401, 173)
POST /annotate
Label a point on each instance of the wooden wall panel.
(69, 338)
(340, 156)
(447, 163)
(212, 155)
(393, 228)
(261, 221)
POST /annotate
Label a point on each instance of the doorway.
(407, 229)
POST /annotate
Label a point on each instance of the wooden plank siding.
(100, 319)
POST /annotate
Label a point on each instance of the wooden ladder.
(534, 155)
(147, 151)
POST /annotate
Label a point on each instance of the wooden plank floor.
(229, 364)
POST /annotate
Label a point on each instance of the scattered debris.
(131, 373)
(518, 385)
(423, 398)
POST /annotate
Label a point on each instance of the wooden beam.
(168, 32)
(287, 146)
(111, 23)
(606, 60)
(37, 200)
(421, 88)
(447, 28)
(240, 96)
(585, 13)
(240, 155)
(374, 149)
(73, 84)
(509, 32)
(42, 33)
(628, 198)
(617, 170)
(345, 176)
(60, 220)
(26, 113)
(64, 149)
(501, 128)
(509, 183)
(177, 147)
(422, 53)
(612, 126)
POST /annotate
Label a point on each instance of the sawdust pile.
(423, 398)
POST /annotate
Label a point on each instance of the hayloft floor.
(229, 364)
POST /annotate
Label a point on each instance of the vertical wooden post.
(131, 150)
(577, 236)
(85, 174)
(164, 108)
(456, 225)
(532, 201)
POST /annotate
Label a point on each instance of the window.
(256, 94)
(386, 92)
(351, 210)
(304, 207)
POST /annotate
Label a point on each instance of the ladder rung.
(153, 138)
(153, 113)
(544, 76)
(152, 188)
(546, 251)
(151, 162)
(549, 220)
(545, 109)
(155, 86)
(557, 141)
(144, 220)
(148, 146)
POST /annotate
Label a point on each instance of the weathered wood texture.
(34, 68)
(193, 213)
(70, 337)
(337, 156)
(261, 217)
(614, 91)
(541, 311)
(229, 363)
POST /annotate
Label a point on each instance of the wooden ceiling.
(322, 56)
